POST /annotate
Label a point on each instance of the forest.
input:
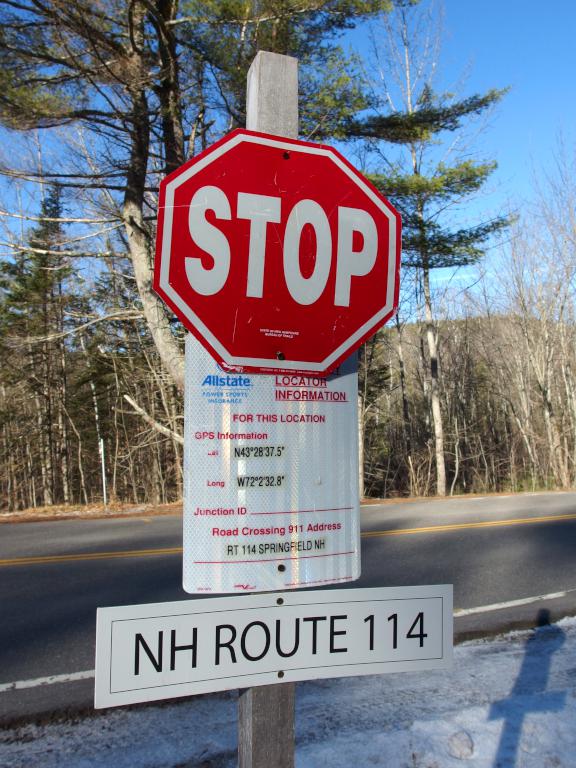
(470, 388)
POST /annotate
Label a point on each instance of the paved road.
(53, 576)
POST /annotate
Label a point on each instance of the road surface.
(498, 551)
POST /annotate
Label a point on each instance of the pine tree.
(227, 36)
(136, 75)
(423, 189)
(33, 311)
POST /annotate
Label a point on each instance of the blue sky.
(529, 47)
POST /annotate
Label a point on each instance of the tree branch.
(153, 423)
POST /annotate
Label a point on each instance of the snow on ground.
(509, 701)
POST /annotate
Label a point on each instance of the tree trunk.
(137, 230)
(406, 426)
(434, 388)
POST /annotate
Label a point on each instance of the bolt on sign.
(270, 478)
(276, 254)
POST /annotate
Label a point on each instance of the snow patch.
(509, 701)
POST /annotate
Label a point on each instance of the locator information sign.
(270, 478)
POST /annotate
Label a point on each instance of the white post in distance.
(103, 468)
(266, 713)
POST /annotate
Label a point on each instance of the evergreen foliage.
(428, 240)
(423, 189)
(431, 116)
(134, 88)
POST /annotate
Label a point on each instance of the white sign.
(166, 650)
(270, 478)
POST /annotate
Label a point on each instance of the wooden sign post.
(266, 713)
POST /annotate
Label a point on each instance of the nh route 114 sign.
(270, 478)
(277, 254)
(165, 650)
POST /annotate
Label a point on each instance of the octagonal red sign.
(276, 254)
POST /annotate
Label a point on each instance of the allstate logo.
(227, 381)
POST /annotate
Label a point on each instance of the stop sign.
(276, 254)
